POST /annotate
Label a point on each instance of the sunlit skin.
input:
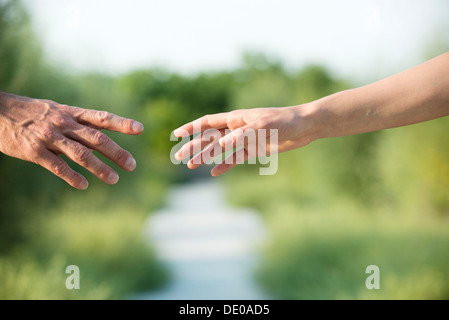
(39, 131)
(416, 95)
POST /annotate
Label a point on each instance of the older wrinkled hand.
(40, 130)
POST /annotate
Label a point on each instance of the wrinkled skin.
(39, 131)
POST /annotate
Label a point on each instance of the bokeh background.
(332, 209)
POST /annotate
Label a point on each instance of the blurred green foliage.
(332, 209)
(44, 224)
(342, 204)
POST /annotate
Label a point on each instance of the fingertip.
(215, 172)
(113, 178)
(178, 133)
(181, 132)
(137, 127)
(84, 184)
(130, 164)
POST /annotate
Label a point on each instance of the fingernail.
(178, 132)
(179, 155)
(130, 164)
(113, 178)
(137, 126)
(84, 185)
(214, 172)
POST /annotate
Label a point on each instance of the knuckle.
(104, 171)
(48, 132)
(263, 122)
(128, 125)
(60, 167)
(72, 109)
(77, 112)
(122, 155)
(206, 119)
(63, 121)
(36, 147)
(235, 113)
(234, 118)
(47, 103)
(103, 116)
(99, 139)
(82, 154)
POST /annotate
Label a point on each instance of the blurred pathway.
(210, 248)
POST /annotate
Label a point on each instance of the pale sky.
(352, 37)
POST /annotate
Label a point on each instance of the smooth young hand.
(415, 95)
(290, 124)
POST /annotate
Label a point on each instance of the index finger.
(211, 121)
(106, 120)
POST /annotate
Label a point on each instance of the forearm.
(416, 95)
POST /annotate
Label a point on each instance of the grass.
(317, 254)
(105, 241)
(340, 205)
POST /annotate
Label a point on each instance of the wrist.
(306, 121)
(329, 117)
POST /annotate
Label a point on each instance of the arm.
(416, 95)
(40, 130)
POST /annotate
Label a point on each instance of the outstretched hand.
(415, 95)
(40, 130)
(226, 131)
